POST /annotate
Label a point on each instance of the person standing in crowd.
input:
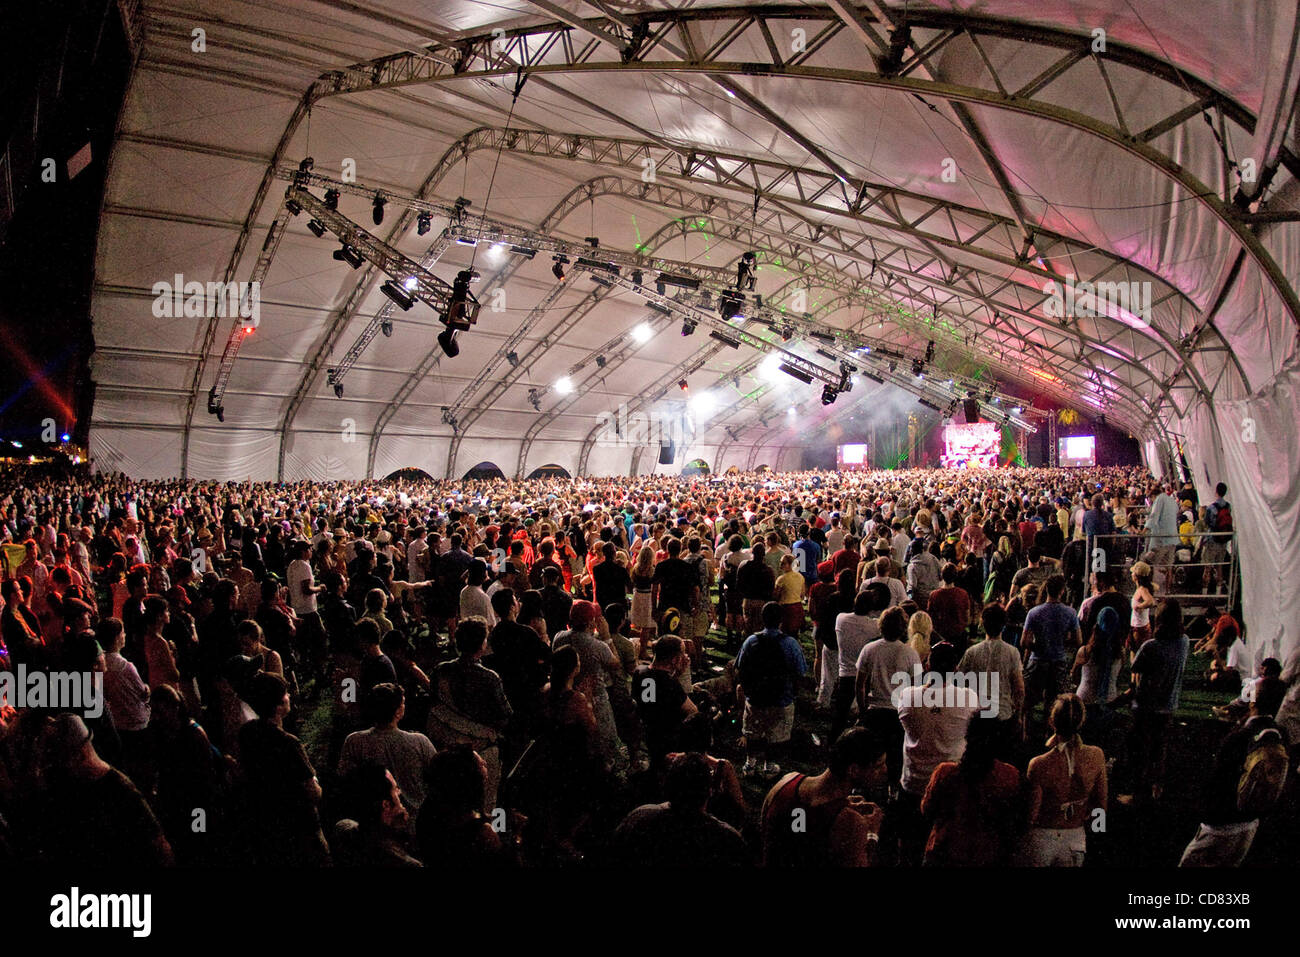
(997, 668)
(1157, 683)
(884, 666)
(767, 667)
(1067, 788)
(1050, 634)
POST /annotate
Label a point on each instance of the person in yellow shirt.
(789, 594)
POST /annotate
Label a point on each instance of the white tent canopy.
(912, 171)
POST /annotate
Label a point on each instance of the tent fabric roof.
(1012, 145)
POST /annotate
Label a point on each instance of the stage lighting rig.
(557, 270)
(746, 272)
(829, 395)
(332, 200)
(423, 223)
(317, 228)
(349, 255)
(399, 295)
(377, 210)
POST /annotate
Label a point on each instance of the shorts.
(770, 725)
(1054, 847)
(1161, 555)
(1220, 845)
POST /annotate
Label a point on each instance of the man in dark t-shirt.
(661, 702)
(675, 582)
(610, 579)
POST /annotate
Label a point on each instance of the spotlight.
(293, 206)
(688, 328)
(386, 327)
(525, 251)
(534, 400)
(399, 295)
(447, 340)
(423, 223)
(557, 270)
(660, 288)
(682, 282)
(787, 332)
(683, 384)
(317, 228)
(377, 211)
(725, 339)
(332, 199)
(829, 395)
(592, 241)
(795, 373)
(745, 278)
(64, 437)
(918, 368)
(642, 333)
(513, 358)
(462, 308)
(564, 385)
(637, 277)
(731, 307)
(1017, 409)
(338, 390)
(929, 351)
(600, 362)
(349, 255)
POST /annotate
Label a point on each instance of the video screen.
(974, 445)
(1077, 451)
(851, 457)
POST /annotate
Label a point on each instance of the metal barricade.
(1210, 575)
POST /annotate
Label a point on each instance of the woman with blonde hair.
(1143, 600)
(642, 580)
(919, 628)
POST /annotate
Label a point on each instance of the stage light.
(929, 351)
(787, 332)
(64, 437)
(795, 372)
(688, 328)
(564, 385)
(410, 283)
(513, 358)
(535, 400)
(1017, 409)
(704, 403)
(350, 256)
(338, 390)
(293, 206)
(557, 270)
(386, 327)
(447, 341)
(683, 282)
(398, 295)
(525, 251)
(745, 272)
(462, 308)
(600, 362)
(770, 367)
(642, 333)
(377, 211)
(725, 340)
(423, 223)
(918, 368)
(792, 411)
(829, 395)
(731, 307)
(660, 289)
(317, 227)
(637, 277)
(683, 384)
(332, 199)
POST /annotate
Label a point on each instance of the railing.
(1194, 583)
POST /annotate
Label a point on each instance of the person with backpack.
(767, 667)
(1214, 547)
(1249, 774)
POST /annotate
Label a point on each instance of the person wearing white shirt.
(897, 590)
(853, 632)
(935, 716)
(417, 556)
(473, 599)
(901, 541)
(883, 666)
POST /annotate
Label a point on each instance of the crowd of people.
(511, 673)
